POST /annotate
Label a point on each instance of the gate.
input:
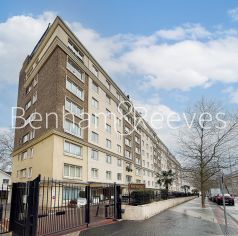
(51, 207)
(24, 208)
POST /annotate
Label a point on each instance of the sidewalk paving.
(185, 219)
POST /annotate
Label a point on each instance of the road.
(232, 217)
(185, 219)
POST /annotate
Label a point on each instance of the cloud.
(18, 36)
(183, 57)
(232, 94)
(187, 31)
(233, 13)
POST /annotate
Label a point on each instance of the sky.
(165, 54)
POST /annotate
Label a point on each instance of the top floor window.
(95, 70)
(108, 85)
(75, 50)
(118, 96)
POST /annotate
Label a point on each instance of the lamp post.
(224, 203)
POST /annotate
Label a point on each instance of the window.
(74, 69)
(108, 175)
(95, 87)
(25, 138)
(35, 81)
(128, 154)
(119, 162)
(95, 120)
(108, 143)
(119, 176)
(74, 89)
(5, 181)
(34, 98)
(128, 179)
(108, 128)
(94, 137)
(118, 135)
(143, 162)
(28, 105)
(29, 172)
(72, 128)
(24, 155)
(108, 159)
(28, 89)
(138, 171)
(108, 114)
(148, 164)
(127, 142)
(72, 149)
(73, 108)
(118, 148)
(137, 139)
(137, 150)
(95, 70)
(75, 50)
(95, 103)
(23, 173)
(138, 161)
(72, 171)
(108, 100)
(127, 130)
(94, 173)
(32, 134)
(108, 85)
(118, 96)
(118, 122)
(30, 152)
(143, 143)
(94, 154)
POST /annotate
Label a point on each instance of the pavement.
(186, 219)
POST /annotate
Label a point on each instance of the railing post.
(115, 201)
(87, 210)
(118, 197)
(33, 205)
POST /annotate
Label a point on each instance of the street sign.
(136, 186)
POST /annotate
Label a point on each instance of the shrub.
(141, 197)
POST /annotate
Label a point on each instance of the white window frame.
(75, 69)
(94, 134)
(70, 152)
(74, 89)
(93, 157)
(72, 127)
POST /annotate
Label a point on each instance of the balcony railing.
(74, 70)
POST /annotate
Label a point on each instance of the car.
(228, 199)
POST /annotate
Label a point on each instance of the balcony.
(72, 67)
(75, 51)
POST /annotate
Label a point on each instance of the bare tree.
(6, 149)
(205, 143)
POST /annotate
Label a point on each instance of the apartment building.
(76, 124)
